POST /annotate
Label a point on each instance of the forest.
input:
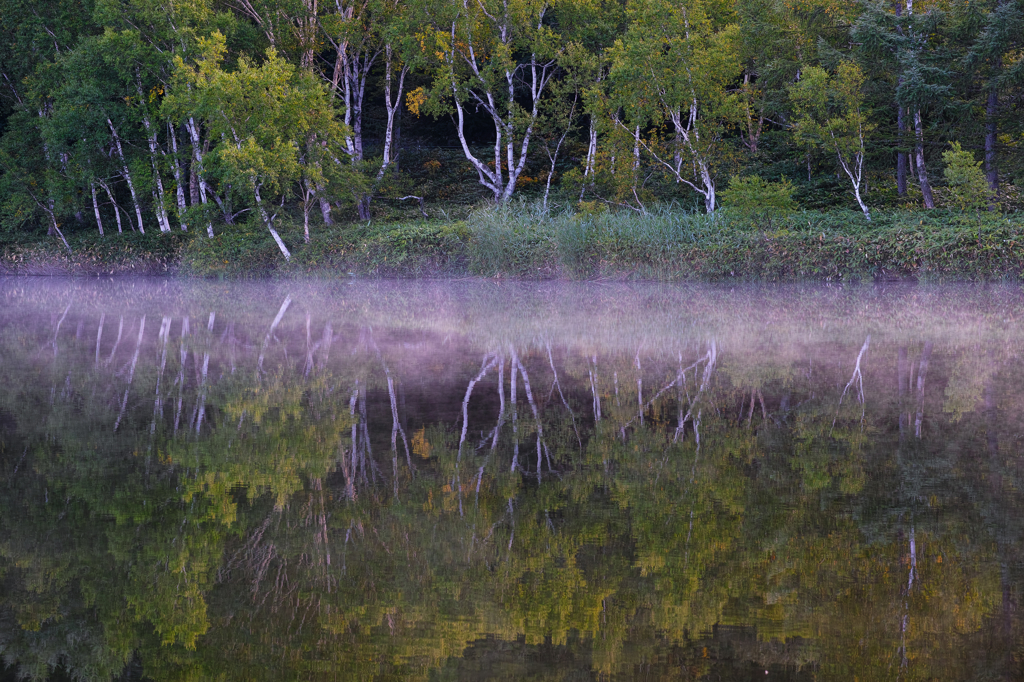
(257, 120)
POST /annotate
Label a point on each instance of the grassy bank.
(522, 242)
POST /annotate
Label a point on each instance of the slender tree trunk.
(588, 166)
(901, 156)
(197, 160)
(117, 209)
(178, 177)
(127, 175)
(991, 132)
(161, 210)
(96, 208)
(269, 221)
(901, 127)
(922, 170)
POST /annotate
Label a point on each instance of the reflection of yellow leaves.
(650, 564)
(420, 446)
(414, 99)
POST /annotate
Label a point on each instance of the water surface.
(481, 481)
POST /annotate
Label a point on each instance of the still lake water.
(481, 481)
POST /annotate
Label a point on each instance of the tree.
(498, 56)
(263, 116)
(830, 116)
(670, 70)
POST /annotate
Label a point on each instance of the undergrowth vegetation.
(523, 241)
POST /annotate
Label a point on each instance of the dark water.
(473, 481)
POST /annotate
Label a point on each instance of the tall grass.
(520, 240)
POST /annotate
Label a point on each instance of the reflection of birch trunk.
(182, 358)
(536, 414)
(117, 341)
(311, 348)
(515, 412)
(366, 453)
(709, 359)
(158, 403)
(348, 467)
(325, 344)
(56, 329)
(926, 355)
(270, 332)
(565, 402)
(488, 362)
(593, 389)
(201, 400)
(396, 427)
(639, 385)
(99, 336)
(501, 421)
(903, 383)
(858, 378)
(321, 528)
(131, 372)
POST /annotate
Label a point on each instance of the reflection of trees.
(259, 502)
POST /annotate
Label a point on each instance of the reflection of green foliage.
(257, 550)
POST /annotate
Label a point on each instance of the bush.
(752, 199)
(968, 188)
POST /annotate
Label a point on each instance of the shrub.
(968, 189)
(752, 199)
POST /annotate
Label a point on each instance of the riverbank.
(523, 243)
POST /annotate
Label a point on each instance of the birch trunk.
(392, 106)
(197, 160)
(117, 209)
(922, 170)
(127, 175)
(96, 208)
(269, 221)
(588, 166)
(161, 209)
(178, 177)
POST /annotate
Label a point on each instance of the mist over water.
(479, 480)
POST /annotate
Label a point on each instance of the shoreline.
(667, 248)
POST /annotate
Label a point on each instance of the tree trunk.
(127, 175)
(268, 221)
(922, 170)
(901, 156)
(117, 209)
(588, 167)
(197, 160)
(991, 131)
(178, 177)
(161, 210)
(96, 207)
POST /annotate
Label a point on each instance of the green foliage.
(751, 198)
(968, 188)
